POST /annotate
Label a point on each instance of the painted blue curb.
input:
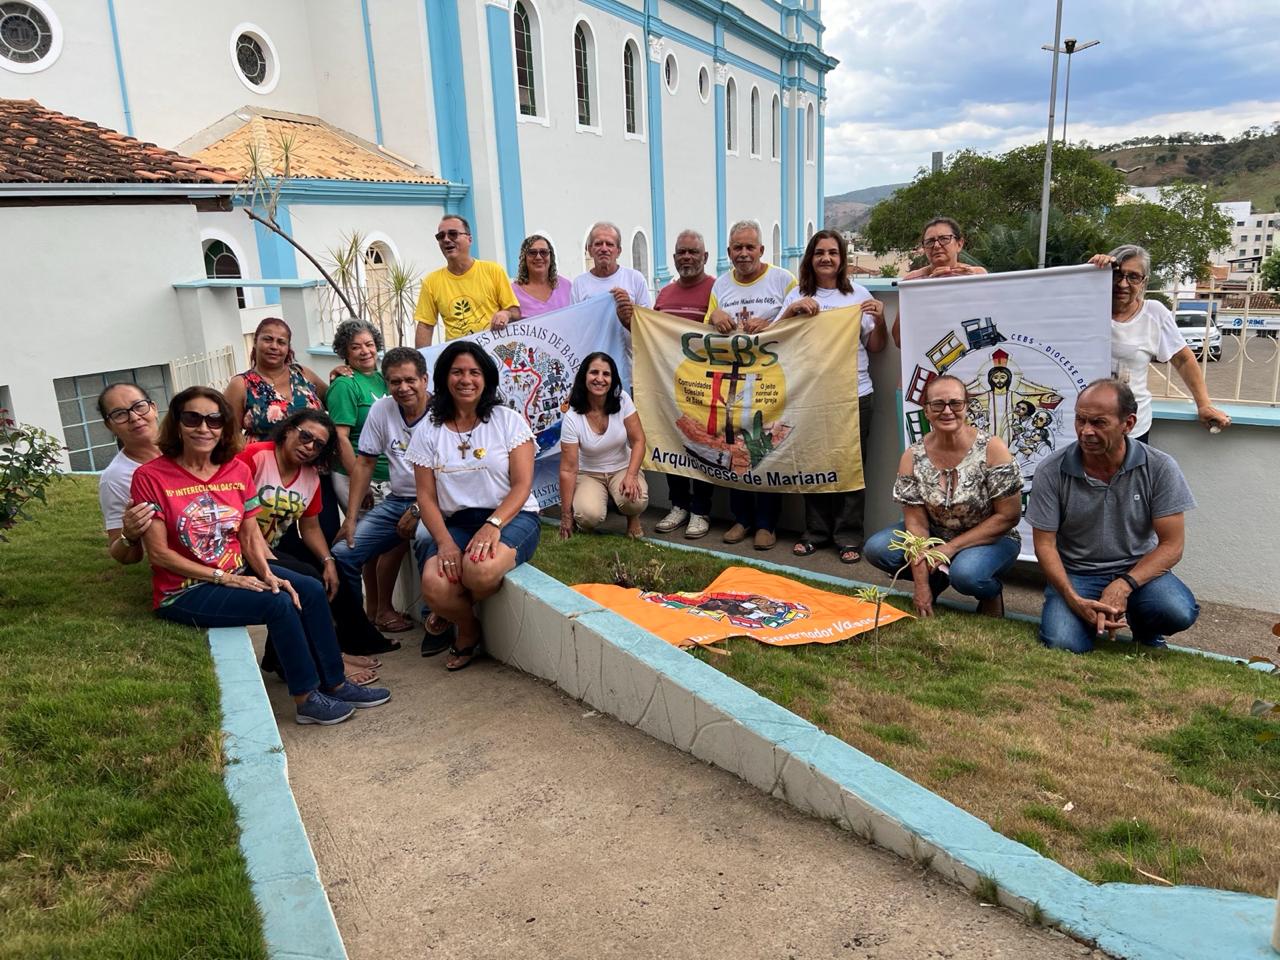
(621, 668)
(297, 920)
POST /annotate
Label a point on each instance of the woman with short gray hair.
(1144, 330)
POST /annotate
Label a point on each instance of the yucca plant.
(914, 549)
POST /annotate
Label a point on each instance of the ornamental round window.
(251, 59)
(26, 35)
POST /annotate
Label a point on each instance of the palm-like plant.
(914, 549)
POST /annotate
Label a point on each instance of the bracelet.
(129, 544)
(1133, 584)
(328, 559)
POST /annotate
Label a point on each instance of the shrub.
(29, 461)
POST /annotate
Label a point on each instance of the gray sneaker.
(698, 527)
(323, 709)
(675, 517)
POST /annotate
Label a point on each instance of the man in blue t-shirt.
(1107, 512)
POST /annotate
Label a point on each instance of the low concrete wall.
(543, 627)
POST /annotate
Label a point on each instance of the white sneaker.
(698, 527)
(675, 517)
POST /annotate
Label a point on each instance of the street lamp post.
(1048, 143)
(1070, 47)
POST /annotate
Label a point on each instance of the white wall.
(573, 178)
(409, 231)
(399, 33)
(688, 154)
(95, 295)
(343, 92)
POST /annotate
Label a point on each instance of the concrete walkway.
(484, 814)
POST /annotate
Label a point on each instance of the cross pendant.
(463, 447)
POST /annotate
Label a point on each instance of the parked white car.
(1192, 325)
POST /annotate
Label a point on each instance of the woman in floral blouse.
(959, 484)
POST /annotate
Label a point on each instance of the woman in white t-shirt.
(130, 414)
(836, 518)
(601, 447)
(473, 464)
(1143, 330)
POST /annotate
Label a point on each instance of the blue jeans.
(755, 511)
(375, 535)
(689, 494)
(1160, 607)
(974, 571)
(304, 639)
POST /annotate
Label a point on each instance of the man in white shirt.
(627, 286)
(749, 298)
(387, 431)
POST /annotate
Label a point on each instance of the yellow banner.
(744, 602)
(776, 410)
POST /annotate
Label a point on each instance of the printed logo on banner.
(730, 393)
(751, 611)
(536, 384)
(1004, 400)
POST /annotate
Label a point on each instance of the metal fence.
(1236, 347)
(214, 368)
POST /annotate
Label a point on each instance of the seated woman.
(473, 462)
(128, 412)
(961, 485)
(211, 569)
(601, 447)
(288, 488)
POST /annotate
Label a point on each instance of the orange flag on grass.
(744, 602)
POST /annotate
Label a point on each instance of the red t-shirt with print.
(282, 502)
(201, 517)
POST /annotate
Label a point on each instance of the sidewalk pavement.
(484, 814)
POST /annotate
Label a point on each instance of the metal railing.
(1242, 363)
(215, 368)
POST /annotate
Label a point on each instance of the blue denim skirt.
(521, 532)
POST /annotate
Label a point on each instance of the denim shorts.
(521, 532)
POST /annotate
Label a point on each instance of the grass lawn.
(1122, 765)
(117, 838)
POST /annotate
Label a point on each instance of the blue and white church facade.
(542, 115)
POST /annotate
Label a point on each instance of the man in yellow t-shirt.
(471, 295)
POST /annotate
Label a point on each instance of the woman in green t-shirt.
(358, 343)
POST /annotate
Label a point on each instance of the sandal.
(359, 660)
(850, 554)
(804, 548)
(394, 622)
(466, 655)
(360, 677)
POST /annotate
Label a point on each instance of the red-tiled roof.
(38, 145)
(1257, 301)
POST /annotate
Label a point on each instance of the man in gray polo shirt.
(1107, 512)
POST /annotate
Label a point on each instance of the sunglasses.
(138, 407)
(191, 419)
(1133, 279)
(306, 439)
(937, 406)
(540, 254)
(451, 234)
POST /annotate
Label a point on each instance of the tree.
(1180, 232)
(982, 191)
(1269, 276)
(1071, 240)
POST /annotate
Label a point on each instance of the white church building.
(522, 115)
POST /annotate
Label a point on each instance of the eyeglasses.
(138, 407)
(191, 419)
(451, 234)
(534, 252)
(942, 240)
(306, 439)
(1133, 279)
(937, 406)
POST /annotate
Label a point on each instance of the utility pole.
(1048, 143)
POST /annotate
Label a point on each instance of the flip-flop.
(850, 555)
(360, 660)
(804, 548)
(470, 653)
(362, 678)
(394, 623)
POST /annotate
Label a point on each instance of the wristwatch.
(126, 541)
(414, 511)
(1133, 584)
(495, 521)
(218, 575)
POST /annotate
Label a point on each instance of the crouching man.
(1107, 512)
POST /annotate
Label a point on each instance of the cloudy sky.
(922, 75)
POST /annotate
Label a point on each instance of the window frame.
(754, 111)
(633, 127)
(268, 85)
(730, 116)
(536, 82)
(775, 129)
(586, 86)
(55, 41)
